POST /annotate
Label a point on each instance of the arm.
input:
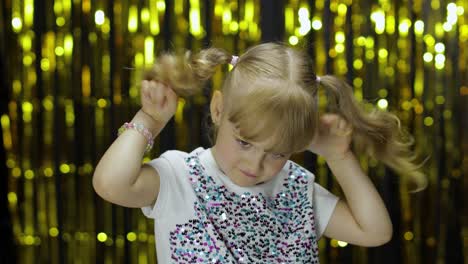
(119, 176)
(361, 218)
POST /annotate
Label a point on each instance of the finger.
(328, 119)
(334, 127)
(345, 126)
(144, 85)
(348, 129)
(342, 124)
(157, 93)
(342, 127)
(327, 124)
(146, 89)
(171, 96)
(335, 123)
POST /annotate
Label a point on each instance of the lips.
(250, 175)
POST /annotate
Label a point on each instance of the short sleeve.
(324, 205)
(163, 167)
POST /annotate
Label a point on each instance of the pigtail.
(376, 133)
(187, 73)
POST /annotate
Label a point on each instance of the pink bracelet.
(140, 128)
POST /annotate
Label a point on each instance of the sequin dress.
(202, 217)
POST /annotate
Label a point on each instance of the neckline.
(207, 160)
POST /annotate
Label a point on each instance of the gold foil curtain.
(72, 69)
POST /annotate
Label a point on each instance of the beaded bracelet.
(140, 128)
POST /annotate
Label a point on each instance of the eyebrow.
(248, 141)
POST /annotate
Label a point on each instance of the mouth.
(250, 175)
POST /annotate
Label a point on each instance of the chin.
(243, 183)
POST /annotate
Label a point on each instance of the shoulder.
(293, 178)
(174, 154)
(175, 157)
(293, 168)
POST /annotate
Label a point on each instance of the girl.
(243, 200)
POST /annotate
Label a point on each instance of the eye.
(278, 156)
(243, 143)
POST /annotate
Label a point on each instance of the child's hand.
(333, 137)
(158, 100)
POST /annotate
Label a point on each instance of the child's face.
(245, 163)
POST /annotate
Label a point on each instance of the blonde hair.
(271, 93)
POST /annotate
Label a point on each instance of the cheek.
(235, 154)
(229, 153)
(228, 157)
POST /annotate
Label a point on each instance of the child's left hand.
(333, 138)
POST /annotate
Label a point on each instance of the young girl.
(243, 200)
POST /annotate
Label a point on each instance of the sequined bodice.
(247, 228)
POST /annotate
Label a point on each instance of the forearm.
(120, 165)
(362, 198)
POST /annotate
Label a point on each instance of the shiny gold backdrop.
(72, 80)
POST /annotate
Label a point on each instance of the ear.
(216, 107)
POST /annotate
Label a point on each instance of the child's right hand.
(158, 100)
